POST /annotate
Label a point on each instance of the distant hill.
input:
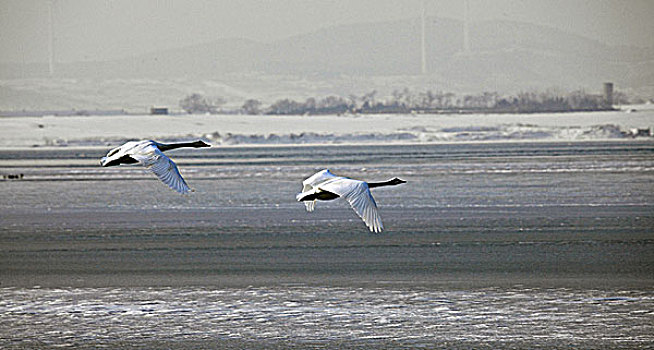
(499, 48)
(504, 56)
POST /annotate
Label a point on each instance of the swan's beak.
(104, 162)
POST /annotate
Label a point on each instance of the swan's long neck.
(168, 146)
(391, 182)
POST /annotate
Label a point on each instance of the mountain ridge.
(504, 56)
(387, 48)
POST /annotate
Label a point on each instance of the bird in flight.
(324, 185)
(150, 154)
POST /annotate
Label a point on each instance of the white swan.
(324, 185)
(150, 154)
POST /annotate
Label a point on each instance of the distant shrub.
(196, 103)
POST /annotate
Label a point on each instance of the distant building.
(608, 94)
(159, 110)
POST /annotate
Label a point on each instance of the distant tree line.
(407, 101)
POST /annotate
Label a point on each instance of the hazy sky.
(105, 29)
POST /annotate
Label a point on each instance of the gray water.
(516, 245)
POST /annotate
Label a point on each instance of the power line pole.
(423, 39)
(466, 22)
(51, 54)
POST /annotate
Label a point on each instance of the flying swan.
(325, 186)
(150, 154)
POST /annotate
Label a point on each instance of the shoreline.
(285, 130)
(90, 113)
(439, 112)
(4, 148)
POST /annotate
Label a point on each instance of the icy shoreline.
(330, 129)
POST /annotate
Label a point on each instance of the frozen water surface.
(291, 316)
(488, 245)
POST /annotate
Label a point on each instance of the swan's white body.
(355, 192)
(148, 154)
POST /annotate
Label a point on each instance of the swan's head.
(200, 143)
(396, 181)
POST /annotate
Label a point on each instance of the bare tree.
(251, 106)
(196, 103)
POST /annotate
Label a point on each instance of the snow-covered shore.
(324, 129)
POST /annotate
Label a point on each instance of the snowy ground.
(329, 129)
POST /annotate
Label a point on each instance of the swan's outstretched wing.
(162, 166)
(167, 171)
(358, 195)
(117, 153)
(318, 178)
